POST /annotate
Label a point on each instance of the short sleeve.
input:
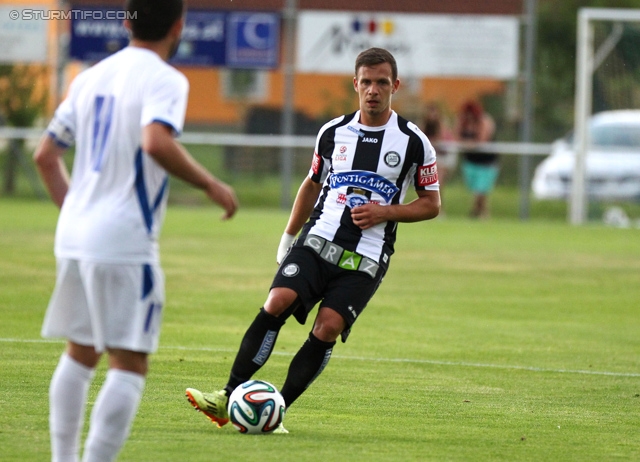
(166, 100)
(321, 163)
(62, 127)
(426, 172)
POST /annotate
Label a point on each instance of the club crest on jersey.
(427, 175)
(368, 181)
(392, 159)
(290, 270)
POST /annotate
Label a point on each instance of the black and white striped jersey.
(358, 164)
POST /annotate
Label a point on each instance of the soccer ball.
(256, 407)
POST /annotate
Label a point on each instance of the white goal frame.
(585, 66)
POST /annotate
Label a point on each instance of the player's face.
(375, 86)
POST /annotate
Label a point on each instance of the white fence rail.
(285, 143)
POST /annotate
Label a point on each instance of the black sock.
(256, 347)
(306, 365)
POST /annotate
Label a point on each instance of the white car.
(612, 162)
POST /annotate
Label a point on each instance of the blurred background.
(265, 75)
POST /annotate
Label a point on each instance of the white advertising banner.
(23, 34)
(424, 45)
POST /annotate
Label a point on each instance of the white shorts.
(106, 305)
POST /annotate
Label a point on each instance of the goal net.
(607, 78)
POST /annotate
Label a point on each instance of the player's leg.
(294, 288)
(345, 297)
(126, 304)
(314, 354)
(260, 338)
(68, 317)
(286, 297)
(67, 397)
(116, 405)
(256, 347)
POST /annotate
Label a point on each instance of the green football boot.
(213, 405)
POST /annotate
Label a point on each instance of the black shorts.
(315, 280)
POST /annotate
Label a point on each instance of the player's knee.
(85, 355)
(131, 361)
(280, 300)
(329, 325)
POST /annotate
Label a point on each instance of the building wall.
(321, 96)
(401, 6)
(328, 95)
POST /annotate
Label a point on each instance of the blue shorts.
(480, 178)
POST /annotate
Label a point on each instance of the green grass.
(255, 176)
(496, 340)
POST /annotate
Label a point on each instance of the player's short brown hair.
(373, 56)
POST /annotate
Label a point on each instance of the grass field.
(488, 341)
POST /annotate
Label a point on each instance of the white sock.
(67, 402)
(113, 414)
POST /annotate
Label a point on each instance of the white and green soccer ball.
(256, 407)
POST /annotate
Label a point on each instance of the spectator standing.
(480, 168)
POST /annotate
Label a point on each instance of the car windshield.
(613, 136)
(616, 135)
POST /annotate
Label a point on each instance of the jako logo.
(369, 140)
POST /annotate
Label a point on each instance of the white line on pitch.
(384, 360)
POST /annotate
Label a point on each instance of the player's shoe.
(281, 429)
(213, 405)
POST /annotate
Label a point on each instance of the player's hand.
(223, 195)
(285, 243)
(368, 215)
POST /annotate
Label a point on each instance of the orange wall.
(323, 96)
(319, 96)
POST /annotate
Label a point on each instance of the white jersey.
(360, 164)
(117, 197)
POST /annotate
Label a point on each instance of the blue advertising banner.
(245, 40)
(203, 39)
(253, 40)
(95, 34)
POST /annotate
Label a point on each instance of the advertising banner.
(23, 37)
(246, 40)
(424, 45)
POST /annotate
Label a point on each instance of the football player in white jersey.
(341, 232)
(123, 115)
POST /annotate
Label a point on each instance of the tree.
(23, 99)
(556, 62)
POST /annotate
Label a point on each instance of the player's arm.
(303, 205)
(159, 143)
(300, 212)
(52, 169)
(424, 207)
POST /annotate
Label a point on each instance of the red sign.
(315, 165)
(427, 175)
